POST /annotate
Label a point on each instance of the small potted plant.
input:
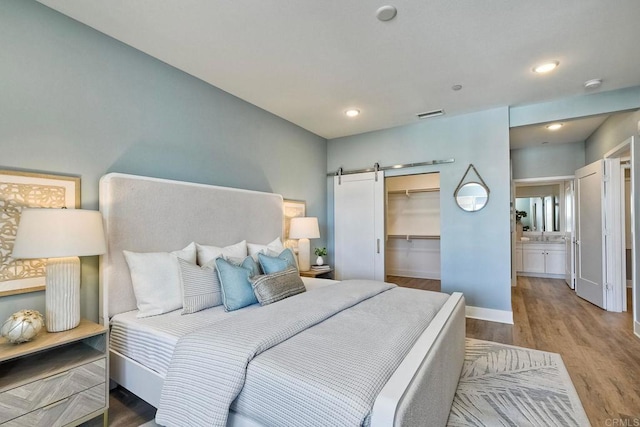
(320, 252)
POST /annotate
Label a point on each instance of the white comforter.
(319, 358)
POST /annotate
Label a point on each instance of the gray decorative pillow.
(200, 287)
(270, 288)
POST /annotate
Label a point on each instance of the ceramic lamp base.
(304, 254)
(62, 294)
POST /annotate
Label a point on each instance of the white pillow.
(209, 253)
(156, 279)
(275, 247)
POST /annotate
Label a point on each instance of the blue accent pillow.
(235, 284)
(247, 262)
(283, 261)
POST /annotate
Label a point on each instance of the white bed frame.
(149, 215)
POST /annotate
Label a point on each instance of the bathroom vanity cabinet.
(543, 259)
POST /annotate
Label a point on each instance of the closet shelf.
(413, 236)
(416, 190)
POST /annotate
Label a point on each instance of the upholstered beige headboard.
(145, 214)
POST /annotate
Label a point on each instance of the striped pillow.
(200, 287)
(270, 288)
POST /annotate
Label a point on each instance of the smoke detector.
(386, 13)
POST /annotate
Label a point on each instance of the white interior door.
(589, 195)
(569, 236)
(359, 226)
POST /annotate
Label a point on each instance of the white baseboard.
(636, 329)
(489, 314)
(629, 283)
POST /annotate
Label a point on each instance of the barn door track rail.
(376, 167)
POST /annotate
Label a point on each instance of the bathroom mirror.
(538, 213)
(472, 196)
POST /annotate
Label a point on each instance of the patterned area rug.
(503, 385)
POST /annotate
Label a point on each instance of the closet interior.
(413, 226)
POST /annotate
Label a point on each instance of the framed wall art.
(292, 209)
(19, 190)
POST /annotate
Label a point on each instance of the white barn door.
(359, 226)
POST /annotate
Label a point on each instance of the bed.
(149, 215)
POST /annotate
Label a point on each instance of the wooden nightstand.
(321, 274)
(58, 379)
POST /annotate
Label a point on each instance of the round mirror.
(472, 196)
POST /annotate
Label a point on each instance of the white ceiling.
(571, 131)
(308, 61)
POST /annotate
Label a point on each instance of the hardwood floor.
(598, 348)
(409, 282)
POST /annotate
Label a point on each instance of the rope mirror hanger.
(471, 196)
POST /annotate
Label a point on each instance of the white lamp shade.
(304, 228)
(54, 233)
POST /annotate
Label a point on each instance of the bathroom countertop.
(550, 241)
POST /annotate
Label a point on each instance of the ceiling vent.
(429, 114)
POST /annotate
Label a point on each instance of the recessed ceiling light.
(554, 126)
(352, 112)
(592, 84)
(546, 67)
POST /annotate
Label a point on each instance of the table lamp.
(61, 235)
(304, 228)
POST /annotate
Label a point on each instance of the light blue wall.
(475, 247)
(74, 101)
(575, 107)
(614, 131)
(547, 160)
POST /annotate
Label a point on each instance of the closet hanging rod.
(413, 236)
(416, 190)
(340, 171)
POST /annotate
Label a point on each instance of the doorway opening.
(628, 237)
(543, 227)
(412, 213)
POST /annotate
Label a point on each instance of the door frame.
(619, 285)
(623, 209)
(614, 236)
(570, 237)
(527, 182)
